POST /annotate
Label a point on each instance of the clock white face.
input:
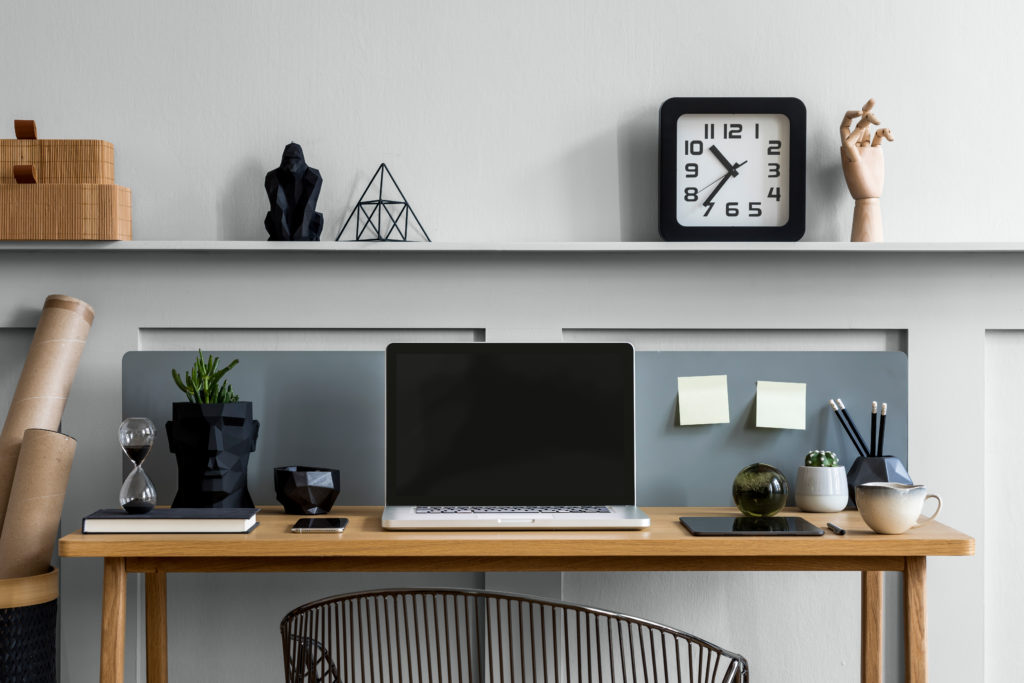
(733, 170)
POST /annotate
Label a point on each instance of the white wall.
(514, 121)
(526, 121)
(1004, 599)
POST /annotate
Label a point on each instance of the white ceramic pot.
(890, 508)
(821, 489)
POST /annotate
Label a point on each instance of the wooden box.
(60, 189)
(59, 161)
(65, 212)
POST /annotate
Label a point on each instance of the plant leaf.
(177, 380)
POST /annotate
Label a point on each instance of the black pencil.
(874, 419)
(863, 446)
(839, 417)
(881, 430)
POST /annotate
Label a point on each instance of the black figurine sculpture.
(378, 219)
(293, 189)
(212, 443)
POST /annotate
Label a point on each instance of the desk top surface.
(364, 538)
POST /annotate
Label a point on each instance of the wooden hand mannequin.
(864, 170)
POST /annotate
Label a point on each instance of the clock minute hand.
(732, 172)
(719, 178)
(718, 187)
(725, 162)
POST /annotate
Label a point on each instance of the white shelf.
(518, 247)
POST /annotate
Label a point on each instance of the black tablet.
(750, 526)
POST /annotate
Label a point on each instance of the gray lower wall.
(936, 307)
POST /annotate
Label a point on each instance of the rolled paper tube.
(37, 497)
(42, 390)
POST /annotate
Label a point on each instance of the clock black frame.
(672, 109)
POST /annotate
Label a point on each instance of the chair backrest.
(466, 636)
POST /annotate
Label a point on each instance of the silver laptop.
(511, 436)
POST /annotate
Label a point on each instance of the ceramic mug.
(890, 508)
(821, 489)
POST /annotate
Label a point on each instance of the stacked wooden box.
(63, 190)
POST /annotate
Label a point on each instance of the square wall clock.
(732, 169)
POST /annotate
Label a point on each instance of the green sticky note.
(703, 400)
(782, 405)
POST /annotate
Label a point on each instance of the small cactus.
(821, 459)
(203, 384)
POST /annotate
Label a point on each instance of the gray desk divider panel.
(696, 465)
(326, 408)
(322, 408)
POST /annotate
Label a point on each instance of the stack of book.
(172, 521)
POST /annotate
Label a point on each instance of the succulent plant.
(821, 459)
(203, 384)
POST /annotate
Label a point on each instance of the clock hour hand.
(725, 162)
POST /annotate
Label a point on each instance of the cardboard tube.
(37, 497)
(42, 390)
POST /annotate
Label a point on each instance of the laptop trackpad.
(511, 517)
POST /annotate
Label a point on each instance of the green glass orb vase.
(760, 490)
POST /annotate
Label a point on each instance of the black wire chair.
(450, 636)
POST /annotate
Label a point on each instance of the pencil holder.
(879, 468)
(306, 490)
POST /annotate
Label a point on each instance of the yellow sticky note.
(703, 400)
(782, 405)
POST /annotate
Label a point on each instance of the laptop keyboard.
(512, 509)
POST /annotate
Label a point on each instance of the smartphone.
(320, 525)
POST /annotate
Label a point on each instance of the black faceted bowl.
(306, 490)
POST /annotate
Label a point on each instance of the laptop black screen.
(510, 424)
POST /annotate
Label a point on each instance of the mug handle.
(938, 506)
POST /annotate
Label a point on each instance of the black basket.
(28, 644)
(28, 632)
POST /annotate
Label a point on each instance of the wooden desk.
(666, 546)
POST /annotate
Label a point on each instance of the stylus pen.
(839, 416)
(863, 446)
(874, 419)
(837, 530)
(881, 429)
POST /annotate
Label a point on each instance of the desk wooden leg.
(156, 627)
(916, 644)
(115, 580)
(871, 627)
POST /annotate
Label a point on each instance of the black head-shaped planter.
(212, 443)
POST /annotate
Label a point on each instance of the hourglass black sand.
(136, 435)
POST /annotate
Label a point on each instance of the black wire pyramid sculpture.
(379, 219)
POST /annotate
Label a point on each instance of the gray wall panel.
(326, 408)
(695, 465)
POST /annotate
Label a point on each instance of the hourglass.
(136, 435)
